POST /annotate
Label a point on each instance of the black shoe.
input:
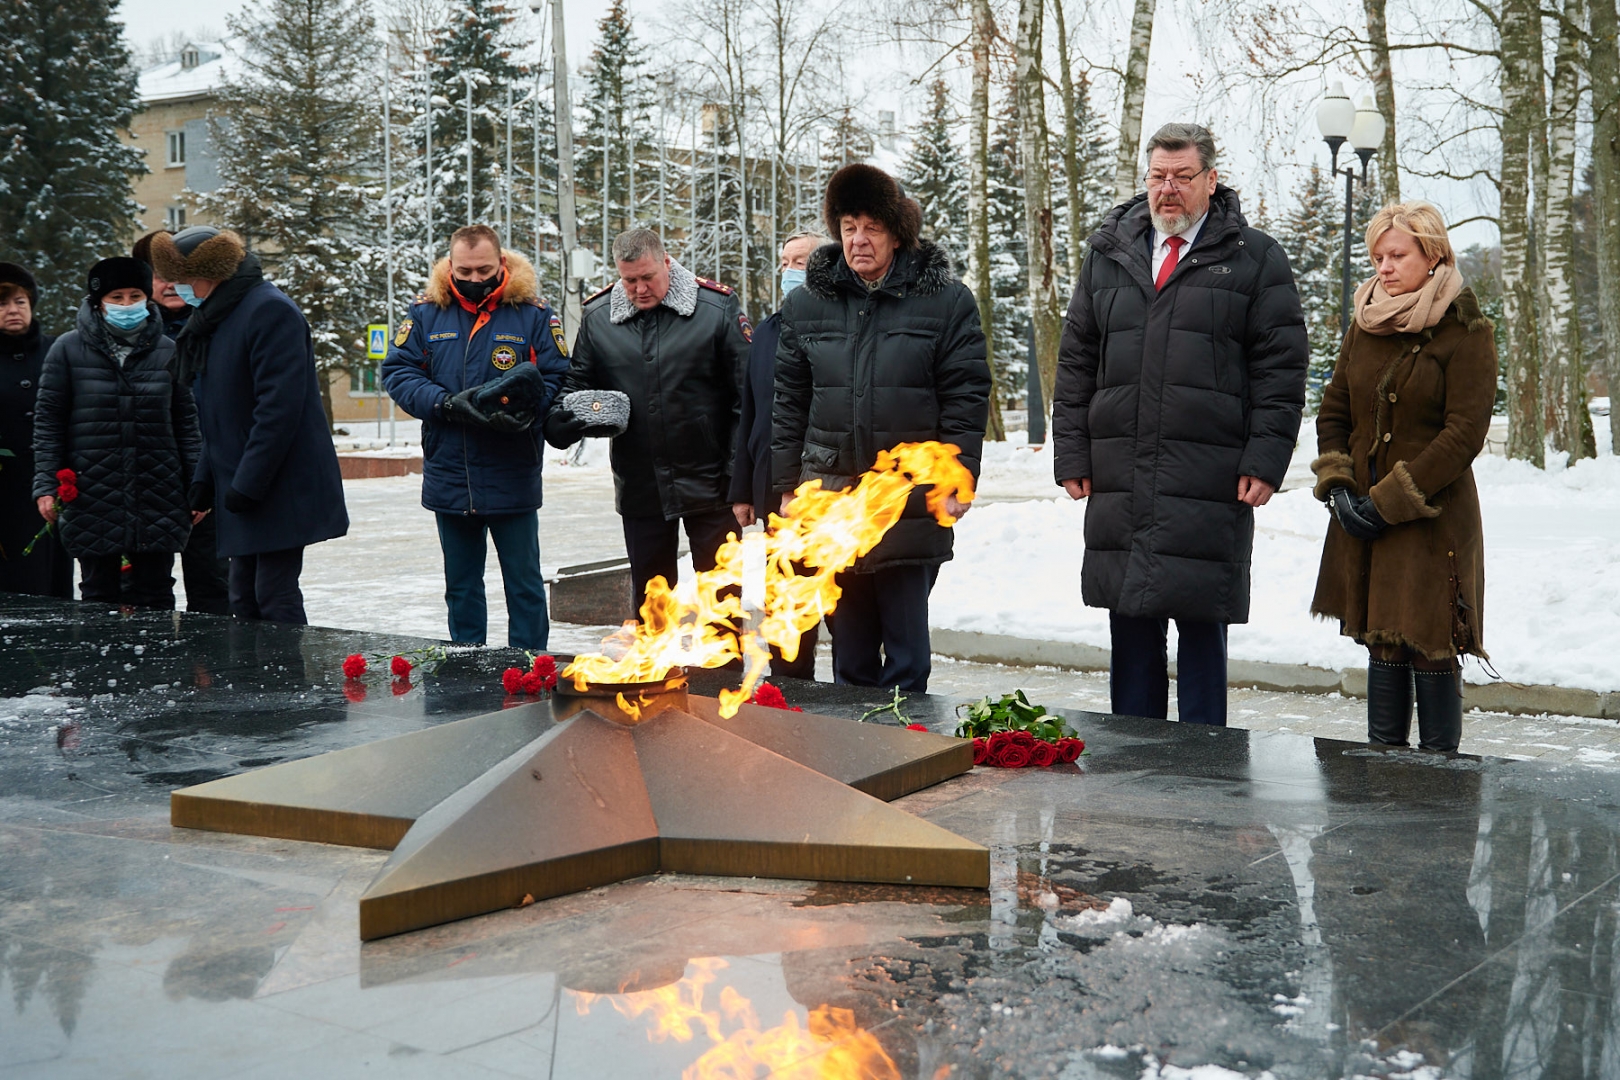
(1439, 709)
(1389, 702)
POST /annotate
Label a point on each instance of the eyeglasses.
(1180, 183)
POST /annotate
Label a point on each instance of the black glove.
(510, 422)
(238, 503)
(564, 429)
(459, 408)
(1356, 514)
(201, 495)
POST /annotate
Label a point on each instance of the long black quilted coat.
(859, 371)
(1164, 399)
(128, 431)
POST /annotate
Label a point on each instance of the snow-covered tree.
(1008, 278)
(298, 140)
(1093, 160)
(65, 198)
(936, 176)
(619, 96)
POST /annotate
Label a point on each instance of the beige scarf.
(1377, 312)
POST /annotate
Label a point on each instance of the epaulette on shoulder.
(599, 293)
(722, 289)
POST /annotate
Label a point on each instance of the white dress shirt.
(1161, 249)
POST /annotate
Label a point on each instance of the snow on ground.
(1552, 567)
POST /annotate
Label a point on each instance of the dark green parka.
(860, 370)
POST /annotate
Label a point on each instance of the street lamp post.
(1363, 127)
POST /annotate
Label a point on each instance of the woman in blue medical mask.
(112, 410)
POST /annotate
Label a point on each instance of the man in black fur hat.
(880, 346)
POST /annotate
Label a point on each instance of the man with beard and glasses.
(479, 361)
(1181, 379)
(268, 469)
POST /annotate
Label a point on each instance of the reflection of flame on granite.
(831, 1046)
(823, 532)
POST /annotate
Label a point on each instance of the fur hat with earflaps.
(200, 251)
(867, 189)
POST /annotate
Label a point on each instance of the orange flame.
(822, 533)
(831, 1046)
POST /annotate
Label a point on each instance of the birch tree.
(1032, 143)
(1383, 81)
(1071, 141)
(982, 37)
(1604, 66)
(1520, 30)
(1132, 97)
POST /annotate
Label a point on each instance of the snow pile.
(1552, 568)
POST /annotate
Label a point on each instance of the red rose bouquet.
(1013, 734)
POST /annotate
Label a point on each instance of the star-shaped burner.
(596, 787)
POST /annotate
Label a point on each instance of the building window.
(176, 218)
(188, 58)
(363, 381)
(177, 148)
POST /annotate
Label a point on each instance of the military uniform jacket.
(682, 365)
(444, 348)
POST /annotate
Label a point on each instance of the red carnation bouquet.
(1012, 733)
(67, 489)
(540, 678)
(400, 665)
(772, 698)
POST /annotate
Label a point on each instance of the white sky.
(1178, 60)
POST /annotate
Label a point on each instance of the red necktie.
(1169, 266)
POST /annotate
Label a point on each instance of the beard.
(1171, 226)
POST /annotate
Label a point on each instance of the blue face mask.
(184, 292)
(791, 279)
(125, 316)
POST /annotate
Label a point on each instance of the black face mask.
(476, 292)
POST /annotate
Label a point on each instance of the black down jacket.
(1165, 399)
(129, 432)
(48, 571)
(681, 364)
(859, 371)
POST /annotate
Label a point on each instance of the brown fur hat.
(200, 251)
(867, 189)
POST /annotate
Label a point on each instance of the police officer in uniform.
(676, 345)
(478, 361)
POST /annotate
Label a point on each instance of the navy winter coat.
(127, 429)
(751, 473)
(264, 431)
(444, 348)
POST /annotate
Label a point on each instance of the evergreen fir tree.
(618, 107)
(1009, 277)
(1096, 152)
(475, 46)
(65, 194)
(936, 176)
(847, 143)
(298, 141)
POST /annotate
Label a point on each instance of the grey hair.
(809, 234)
(1182, 136)
(633, 245)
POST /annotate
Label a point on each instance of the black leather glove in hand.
(459, 408)
(201, 496)
(564, 429)
(238, 503)
(1356, 514)
(510, 422)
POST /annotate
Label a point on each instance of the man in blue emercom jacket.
(479, 359)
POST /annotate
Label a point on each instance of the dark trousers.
(1138, 674)
(803, 665)
(205, 573)
(463, 538)
(880, 629)
(653, 545)
(149, 583)
(265, 586)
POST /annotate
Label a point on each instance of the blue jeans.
(517, 543)
(1138, 674)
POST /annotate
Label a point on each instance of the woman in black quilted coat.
(112, 409)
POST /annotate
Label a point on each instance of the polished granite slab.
(1182, 898)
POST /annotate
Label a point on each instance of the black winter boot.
(1439, 709)
(1389, 702)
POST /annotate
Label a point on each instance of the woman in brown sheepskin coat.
(1403, 566)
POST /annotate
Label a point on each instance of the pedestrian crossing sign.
(377, 339)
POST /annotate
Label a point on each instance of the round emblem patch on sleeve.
(504, 358)
(403, 334)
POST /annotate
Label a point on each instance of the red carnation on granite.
(531, 683)
(401, 667)
(981, 752)
(1013, 756)
(916, 727)
(772, 698)
(545, 668)
(512, 680)
(1044, 755)
(354, 666)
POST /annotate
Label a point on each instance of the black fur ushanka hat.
(867, 189)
